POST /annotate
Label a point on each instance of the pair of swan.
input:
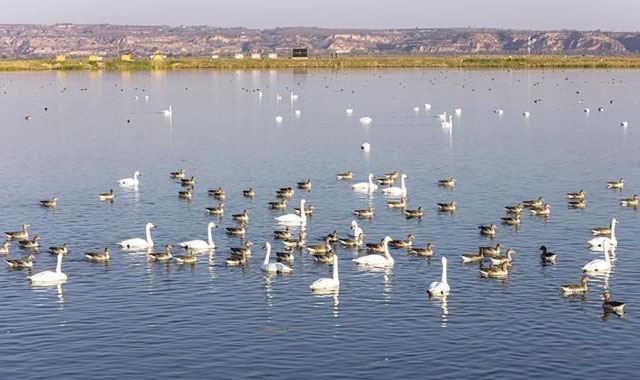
(273, 267)
(395, 190)
(440, 288)
(201, 245)
(294, 219)
(327, 284)
(365, 186)
(130, 182)
(377, 261)
(599, 265)
(598, 243)
(137, 243)
(50, 277)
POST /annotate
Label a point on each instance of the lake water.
(136, 319)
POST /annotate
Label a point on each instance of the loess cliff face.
(43, 41)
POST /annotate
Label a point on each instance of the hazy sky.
(615, 15)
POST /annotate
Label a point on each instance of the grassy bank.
(515, 62)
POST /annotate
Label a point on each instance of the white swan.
(297, 112)
(397, 191)
(273, 267)
(278, 119)
(168, 112)
(49, 277)
(294, 219)
(375, 260)
(447, 123)
(366, 120)
(443, 116)
(365, 186)
(137, 243)
(416, 109)
(349, 111)
(366, 147)
(328, 283)
(599, 265)
(440, 288)
(355, 229)
(458, 111)
(526, 114)
(130, 182)
(427, 106)
(498, 111)
(201, 245)
(597, 244)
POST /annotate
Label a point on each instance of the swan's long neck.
(59, 265)
(209, 237)
(386, 251)
(613, 233)
(266, 257)
(135, 177)
(404, 189)
(370, 180)
(149, 241)
(607, 259)
(444, 270)
(335, 268)
(303, 214)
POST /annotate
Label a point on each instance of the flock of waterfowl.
(492, 263)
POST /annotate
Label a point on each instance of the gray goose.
(286, 256)
(579, 195)
(503, 259)
(427, 251)
(619, 184)
(282, 234)
(517, 209)
(491, 251)
(512, 220)
(546, 256)
(543, 211)
(285, 192)
(305, 185)
(4, 248)
(533, 203)
(188, 181)
(96, 256)
(188, 194)
(579, 204)
(50, 203)
(234, 260)
(402, 203)
(633, 201)
(294, 243)
(18, 235)
(451, 182)
(403, 243)
(320, 248)
(366, 213)
(488, 230)
(355, 242)
(345, 176)
(246, 250)
(447, 207)
(495, 271)
(244, 217)
(576, 288)
(29, 244)
(250, 193)
(612, 306)
(178, 175)
(417, 213)
(190, 258)
(216, 210)
(308, 210)
(15, 263)
(236, 230)
(280, 205)
(376, 247)
(217, 193)
(108, 196)
(63, 249)
(162, 256)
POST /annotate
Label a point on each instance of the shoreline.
(353, 62)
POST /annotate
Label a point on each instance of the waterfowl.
(503, 259)
(576, 288)
(511, 220)
(281, 205)
(366, 120)
(18, 235)
(4, 248)
(546, 256)
(188, 181)
(403, 243)
(190, 258)
(286, 256)
(245, 251)
(376, 247)
(355, 242)
(440, 288)
(533, 203)
(250, 193)
(236, 260)
(216, 210)
(63, 249)
(603, 230)
(619, 184)
(49, 277)
(612, 306)
(307, 210)
(580, 204)
(491, 251)
(543, 211)
(597, 244)
(517, 209)
(15, 263)
(402, 203)
(397, 191)
(366, 213)
(333, 237)
(167, 112)
(599, 265)
(472, 257)
(51, 203)
(244, 217)
(578, 195)
(377, 261)
(178, 175)
(273, 267)
(326, 284)
(95, 256)
(201, 245)
(137, 243)
(293, 219)
(345, 176)
(447, 207)
(393, 175)
(285, 193)
(130, 182)
(355, 229)
(107, 196)
(29, 244)
(365, 186)
(305, 185)
(237, 231)
(427, 251)
(162, 256)
(417, 213)
(633, 201)
(385, 181)
(451, 182)
(488, 230)
(282, 234)
(218, 193)
(324, 257)
(320, 248)
(294, 243)
(495, 271)
(188, 194)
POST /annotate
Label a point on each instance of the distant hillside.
(45, 41)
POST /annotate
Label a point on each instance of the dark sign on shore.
(300, 53)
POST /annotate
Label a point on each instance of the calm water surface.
(135, 319)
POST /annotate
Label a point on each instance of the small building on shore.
(94, 58)
(61, 58)
(238, 56)
(127, 57)
(256, 56)
(158, 57)
(300, 53)
(215, 56)
(272, 55)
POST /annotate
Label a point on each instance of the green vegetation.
(512, 62)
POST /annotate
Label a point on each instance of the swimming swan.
(201, 245)
(597, 244)
(377, 261)
(599, 265)
(49, 277)
(137, 243)
(332, 283)
(273, 267)
(355, 229)
(397, 191)
(440, 288)
(294, 219)
(130, 182)
(365, 186)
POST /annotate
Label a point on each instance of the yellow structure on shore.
(158, 57)
(127, 57)
(60, 58)
(95, 58)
